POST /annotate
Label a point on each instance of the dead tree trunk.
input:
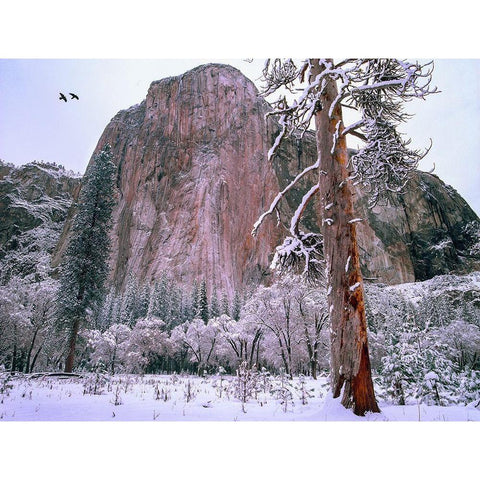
(35, 357)
(71, 346)
(350, 363)
(30, 350)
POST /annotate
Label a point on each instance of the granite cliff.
(193, 178)
(34, 203)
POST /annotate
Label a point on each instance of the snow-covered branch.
(281, 194)
(301, 208)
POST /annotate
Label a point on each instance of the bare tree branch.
(281, 194)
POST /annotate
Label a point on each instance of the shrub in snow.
(163, 393)
(436, 385)
(302, 392)
(417, 365)
(425, 338)
(265, 382)
(246, 383)
(399, 364)
(468, 387)
(282, 390)
(117, 399)
(5, 384)
(95, 384)
(189, 391)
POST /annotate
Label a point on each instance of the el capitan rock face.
(193, 178)
(192, 181)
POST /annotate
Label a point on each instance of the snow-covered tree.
(15, 310)
(236, 305)
(425, 338)
(85, 267)
(106, 312)
(214, 305)
(143, 301)
(203, 310)
(159, 298)
(313, 318)
(225, 306)
(200, 339)
(147, 344)
(428, 363)
(177, 306)
(291, 317)
(399, 370)
(129, 298)
(26, 324)
(193, 309)
(41, 326)
(463, 342)
(376, 90)
(273, 312)
(241, 341)
(109, 348)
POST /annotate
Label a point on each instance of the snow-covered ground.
(190, 398)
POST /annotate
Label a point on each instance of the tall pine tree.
(214, 305)
(203, 302)
(129, 301)
(225, 306)
(194, 306)
(236, 306)
(85, 268)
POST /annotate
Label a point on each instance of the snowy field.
(190, 398)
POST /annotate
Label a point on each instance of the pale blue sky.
(35, 125)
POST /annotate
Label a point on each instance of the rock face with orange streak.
(193, 178)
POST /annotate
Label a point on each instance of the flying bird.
(73, 96)
(62, 97)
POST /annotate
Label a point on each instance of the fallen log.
(54, 374)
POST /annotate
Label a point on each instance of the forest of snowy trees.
(424, 338)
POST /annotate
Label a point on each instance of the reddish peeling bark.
(350, 363)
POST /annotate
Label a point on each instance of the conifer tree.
(129, 300)
(214, 305)
(194, 311)
(175, 311)
(159, 301)
(203, 302)
(85, 268)
(237, 306)
(105, 313)
(225, 307)
(143, 301)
